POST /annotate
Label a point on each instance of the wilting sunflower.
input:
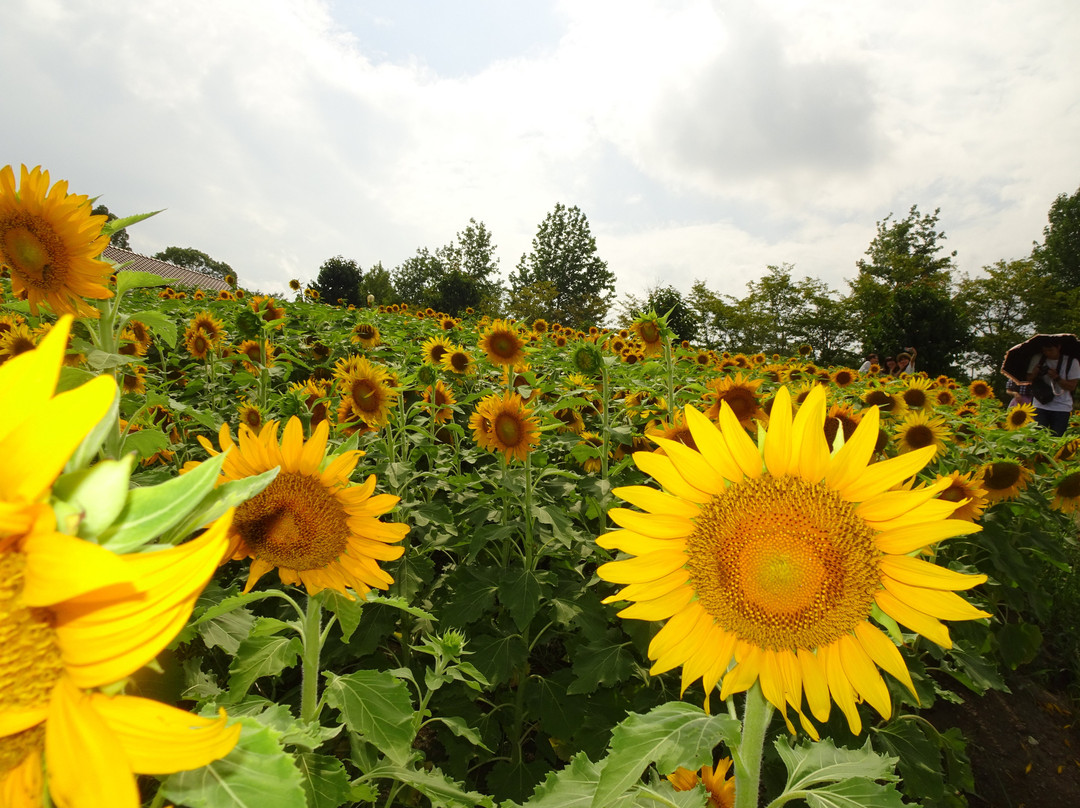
(434, 349)
(365, 335)
(717, 781)
(980, 389)
(133, 379)
(309, 523)
(370, 389)
(441, 400)
(1019, 416)
(920, 429)
(50, 241)
(590, 452)
(967, 493)
(1069, 449)
(571, 419)
(740, 393)
(457, 360)
(502, 423)
(779, 569)
(1067, 493)
(1003, 480)
(651, 331)
(502, 344)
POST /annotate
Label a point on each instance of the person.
(890, 366)
(905, 361)
(871, 359)
(1020, 393)
(1061, 372)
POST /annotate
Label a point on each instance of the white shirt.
(1063, 399)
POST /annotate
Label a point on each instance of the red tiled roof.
(140, 263)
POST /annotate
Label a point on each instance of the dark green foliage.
(664, 300)
(453, 278)
(118, 239)
(195, 260)
(339, 279)
(1059, 254)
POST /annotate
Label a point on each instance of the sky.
(702, 140)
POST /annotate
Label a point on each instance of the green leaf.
(82, 456)
(70, 378)
(146, 442)
(378, 706)
(606, 660)
(325, 780)
(499, 658)
(261, 655)
(150, 512)
(127, 280)
(157, 322)
(400, 603)
(855, 793)
(120, 222)
(103, 360)
(229, 495)
(919, 757)
(822, 762)
(99, 492)
(1019, 643)
(257, 773)
(671, 735)
(348, 612)
(521, 592)
(441, 789)
(462, 730)
(572, 787)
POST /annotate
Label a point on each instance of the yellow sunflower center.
(783, 563)
(30, 660)
(509, 429)
(296, 522)
(30, 253)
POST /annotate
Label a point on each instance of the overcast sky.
(703, 140)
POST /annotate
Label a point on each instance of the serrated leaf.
(498, 658)
(919, 757)
(227, 630)
(158, 323)
(151, 511)
(240, 779)
(127, 280)
(604, 661)
(822, 762)
(348, 612)
(121, 222)
(146, 442)
(857, 792)
(378, 706)
(400, 603)
(325, 780)
(671, 735)
(462, 730)
(572, 787)
(521, 592)
(261, 655)
(438, 787)
(99, 492)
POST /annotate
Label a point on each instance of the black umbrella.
(1018, 357)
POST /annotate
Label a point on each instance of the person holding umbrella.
(1053, 375)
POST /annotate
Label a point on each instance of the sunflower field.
(274, 552)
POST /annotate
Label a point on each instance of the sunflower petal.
(840, 688)
(642, 568)
(880, 477)
(661, 469)
(916, 572)
(808, 437)
(742, 449)
(904, 540)
(658, 526)
(694, 468)
(778, 437)
(711, 444)
(60, 567)
(850, 461)
(815, 684)
(863, 675)
(915, 620)
(657, 502)
(887, 656)
(935, 602)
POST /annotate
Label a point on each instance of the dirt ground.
(1024, 747)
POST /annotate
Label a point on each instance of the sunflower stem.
(757, 713)
(312, 640)
(529, 560)
(669, 366)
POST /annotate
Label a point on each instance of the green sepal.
(99, 493)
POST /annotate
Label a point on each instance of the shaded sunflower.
(587, 452)
(652, 332)
(16, 340)
(434, 349)
(779, 570)
(366, 335)
(540, 325)
(9, 321)
(502, 423)
(1019, 416)
(571, 419)
(50, 241)
(1003, 480)
(441, 400)
(678, 431)
(130, 345)
(739, 392)
(1067, 493)
(886, 402)
(920, 429)
(840, 418)
(457, 360)
(502, 344)
(916, 395)
(586, 358)
(266, 307)
(309, 523)
(704, 358)
(1068, 451)
(294, 284)
(718, 781)
(369, 387)
(968, 493)
(251, 415)
(843, 377)
(945, 398)
(133, 379)
(980, 389)
(198, 294)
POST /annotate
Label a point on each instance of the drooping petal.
(653, 501)
(60, 567)
(863, 675)
(887, 656)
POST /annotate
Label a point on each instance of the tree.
(1001, 308)
(564, 255)
(120, 237)
(195, 260)
(377, 281)
(415, 277)
(457, 276)
(472, 255)
(1059, 254)
(339, 279)
(664, 300)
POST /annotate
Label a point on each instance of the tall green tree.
(1002, 307)
(339, 279)
(415, 277)
(120, 237)
(378, 282)
(564, 255)
(195, 260)
(1059, 254)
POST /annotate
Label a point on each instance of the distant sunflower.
(718, 781)
(590, 461)
(1019, 416)
(920, 429)
(225, 294)
(651, 331)
(886, 402)
(840, 418)
(251, 415)
(678, 431)
(210, 325)
(199, 345)
(1067, 493)
(50, 241)
(776, 557)
(457, 360)
(441, 400)
(255, 356)
(434, 348)
(133, 379)
(740, 393)
(540, 325)
(571, 419)
(16, 340)
(502, 423)
(843, 377)
(369, 386)
(366, 335)
(502, 344)
(266, 307)
(1068, 451)
(703, 358)
(198, 294)
(963, 489)
(294, 284)
(980, 389)
(945, 398)
(448, 323)
(916, 395)
(130, 344)
(1003, 480)
(310, 523)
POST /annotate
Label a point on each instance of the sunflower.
(369, 387)
(253, 356)
(843, 377)
(719, 784)
(540, 325)
(919, 429)
(1003, 480)
(266, 307)
(502, 344)
(251, 415)
(365, 335)
(571, 419)
(651, 331)
(916, 395)
(457, 360)
(1067, 493)
(885, 402)
(840, 418)
(130, 345)
(980, 389)
(16, 340)
(1068, 450)
(133, 379)
(586, 358)
(434, 349)
(740, 393)
(441, 400)
(311, 524)
(502, 423)
(590, 461)
(225, 294)
(779, 568)
(294, 284)
(50, 241)
(198, 344)
(210, 325)
(448, 323)
(678, 431)
(968, 493)
(945, 398)
(1019, 416)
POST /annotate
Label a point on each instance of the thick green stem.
(669, 366)
(530, 559)
(757, 712)
(312, 639)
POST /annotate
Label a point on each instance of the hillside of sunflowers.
(276, 552)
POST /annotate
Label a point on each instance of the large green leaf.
(606, 660)
(230, 495)
(857, 792)
(378, 706)
(127, 280)
(827, 776)
(256, 774)
(671, 735)
(263, 653)
(325, 780)
(521, 592)
(919, 757)
(442, 790)
(575, 787)
(151, 511)
(499, 658)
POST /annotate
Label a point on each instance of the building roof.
(133, 262)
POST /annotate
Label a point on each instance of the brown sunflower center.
(296, 522)
(30, 660)
(1018, 417)
(915, 398)
(880, 399)
(365, 395)
(918, 436)
(30, 255)
(437, 352)
(459, 362)
(1069, 488)
(742, 400)
(1001, 476)
(503, 345)
(783, 563)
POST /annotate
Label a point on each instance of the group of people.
(902, 364)
(1052, 376)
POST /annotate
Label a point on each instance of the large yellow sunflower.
(503, 344)
(369, 388)
(50, 241)
(502, 423)
(1020, 416)
(309, 523)
(775, 558)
